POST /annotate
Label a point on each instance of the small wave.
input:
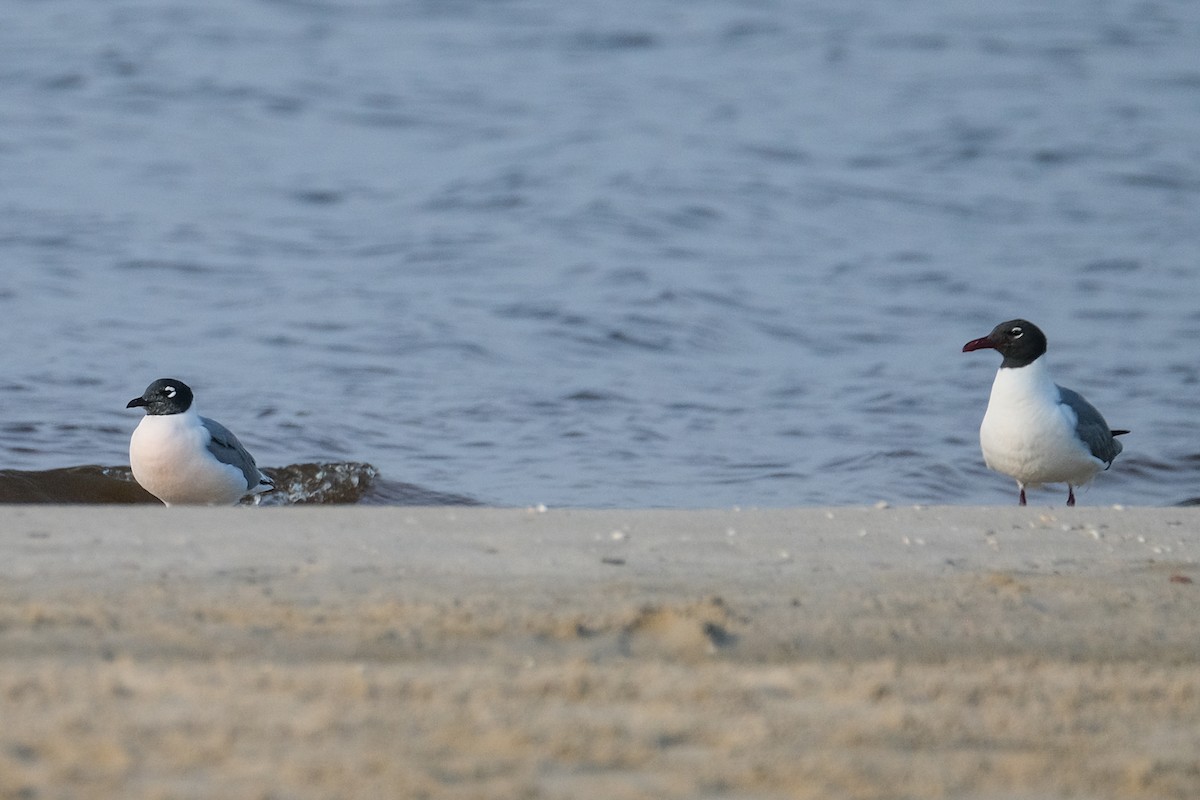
(317, 484)
(338, 483)
(83, 484)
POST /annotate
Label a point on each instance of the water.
(626, 253)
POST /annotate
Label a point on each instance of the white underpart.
(1028, 433)
(170, 459)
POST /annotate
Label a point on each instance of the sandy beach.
(482, 653)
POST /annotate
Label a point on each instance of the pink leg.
(1070, 495)
(1022, 496)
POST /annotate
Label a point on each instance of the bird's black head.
(164, 396)
(1018, 340)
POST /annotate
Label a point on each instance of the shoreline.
(479, 652)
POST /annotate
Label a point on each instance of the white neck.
(185, 419)
(1016, 386)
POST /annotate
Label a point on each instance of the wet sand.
(479, 653)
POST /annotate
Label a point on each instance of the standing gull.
(183, 458)
(1034, 430)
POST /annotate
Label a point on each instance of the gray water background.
(619, 253)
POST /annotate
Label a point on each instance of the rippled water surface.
(631, 253)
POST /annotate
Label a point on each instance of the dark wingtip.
(1118, 433)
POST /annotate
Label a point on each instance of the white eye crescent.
(1017, 333)
(170, 392)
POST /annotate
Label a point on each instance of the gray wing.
(226, 448)
(1091, 427)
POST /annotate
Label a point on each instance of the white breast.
(170, 459)
(1028, 434)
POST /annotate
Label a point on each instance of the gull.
(183, 458)
(1034, 430)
